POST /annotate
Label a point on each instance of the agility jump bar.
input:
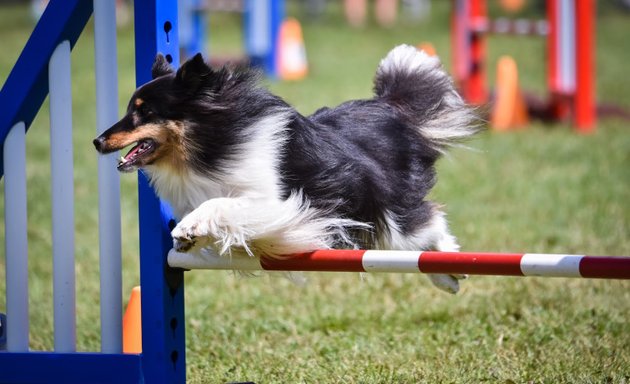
(502, 264)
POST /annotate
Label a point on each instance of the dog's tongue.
(133, 151)
(130, 156)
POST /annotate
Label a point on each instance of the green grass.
(544, 189)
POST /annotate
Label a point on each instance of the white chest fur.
(251, 172)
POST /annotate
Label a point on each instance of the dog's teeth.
(122, 159)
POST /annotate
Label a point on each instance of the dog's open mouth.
(133, 159)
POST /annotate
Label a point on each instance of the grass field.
(544, 189)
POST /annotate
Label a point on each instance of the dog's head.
(156, 119)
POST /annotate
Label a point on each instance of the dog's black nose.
(98, 143)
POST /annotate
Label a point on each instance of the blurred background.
(536, 187)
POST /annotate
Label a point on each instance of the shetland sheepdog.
(246, 173)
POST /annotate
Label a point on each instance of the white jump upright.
(16, 249)
(109, 227)
(62, 191)
(565, 46)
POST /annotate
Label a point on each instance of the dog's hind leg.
(434, 236)
(259, 226)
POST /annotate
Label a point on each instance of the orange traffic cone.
(292, 63)
(427, 48)
(512, 6)
(509, 110)
(132, 324)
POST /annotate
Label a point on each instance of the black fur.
(218, 106)
(361, 158)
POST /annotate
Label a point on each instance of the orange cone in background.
(132, 324)
(427, 48)
(292, 64)
(509, 110)
(512, 6)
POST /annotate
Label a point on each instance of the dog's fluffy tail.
(419, 88)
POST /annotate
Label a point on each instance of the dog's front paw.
(214, 223)
(185, 236)
(183, 243)
(192, 231)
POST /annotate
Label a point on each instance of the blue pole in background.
(192, 28)
(262, 21)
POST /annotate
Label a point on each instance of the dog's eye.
(144, 111)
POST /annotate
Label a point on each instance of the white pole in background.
(16, 249)
(109, 228)
(566, 42)
(62, 191)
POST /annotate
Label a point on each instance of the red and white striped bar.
(504, 264)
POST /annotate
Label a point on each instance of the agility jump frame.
(44, 67)
(569, 29)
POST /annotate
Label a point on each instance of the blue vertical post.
(192, 27)
(277, 17)
(162, 289)
(262, 20)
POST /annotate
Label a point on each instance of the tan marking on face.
(171, 150)
(120, 140)
(138, 102)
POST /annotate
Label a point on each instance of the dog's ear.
(193, 72)
(160, 67)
